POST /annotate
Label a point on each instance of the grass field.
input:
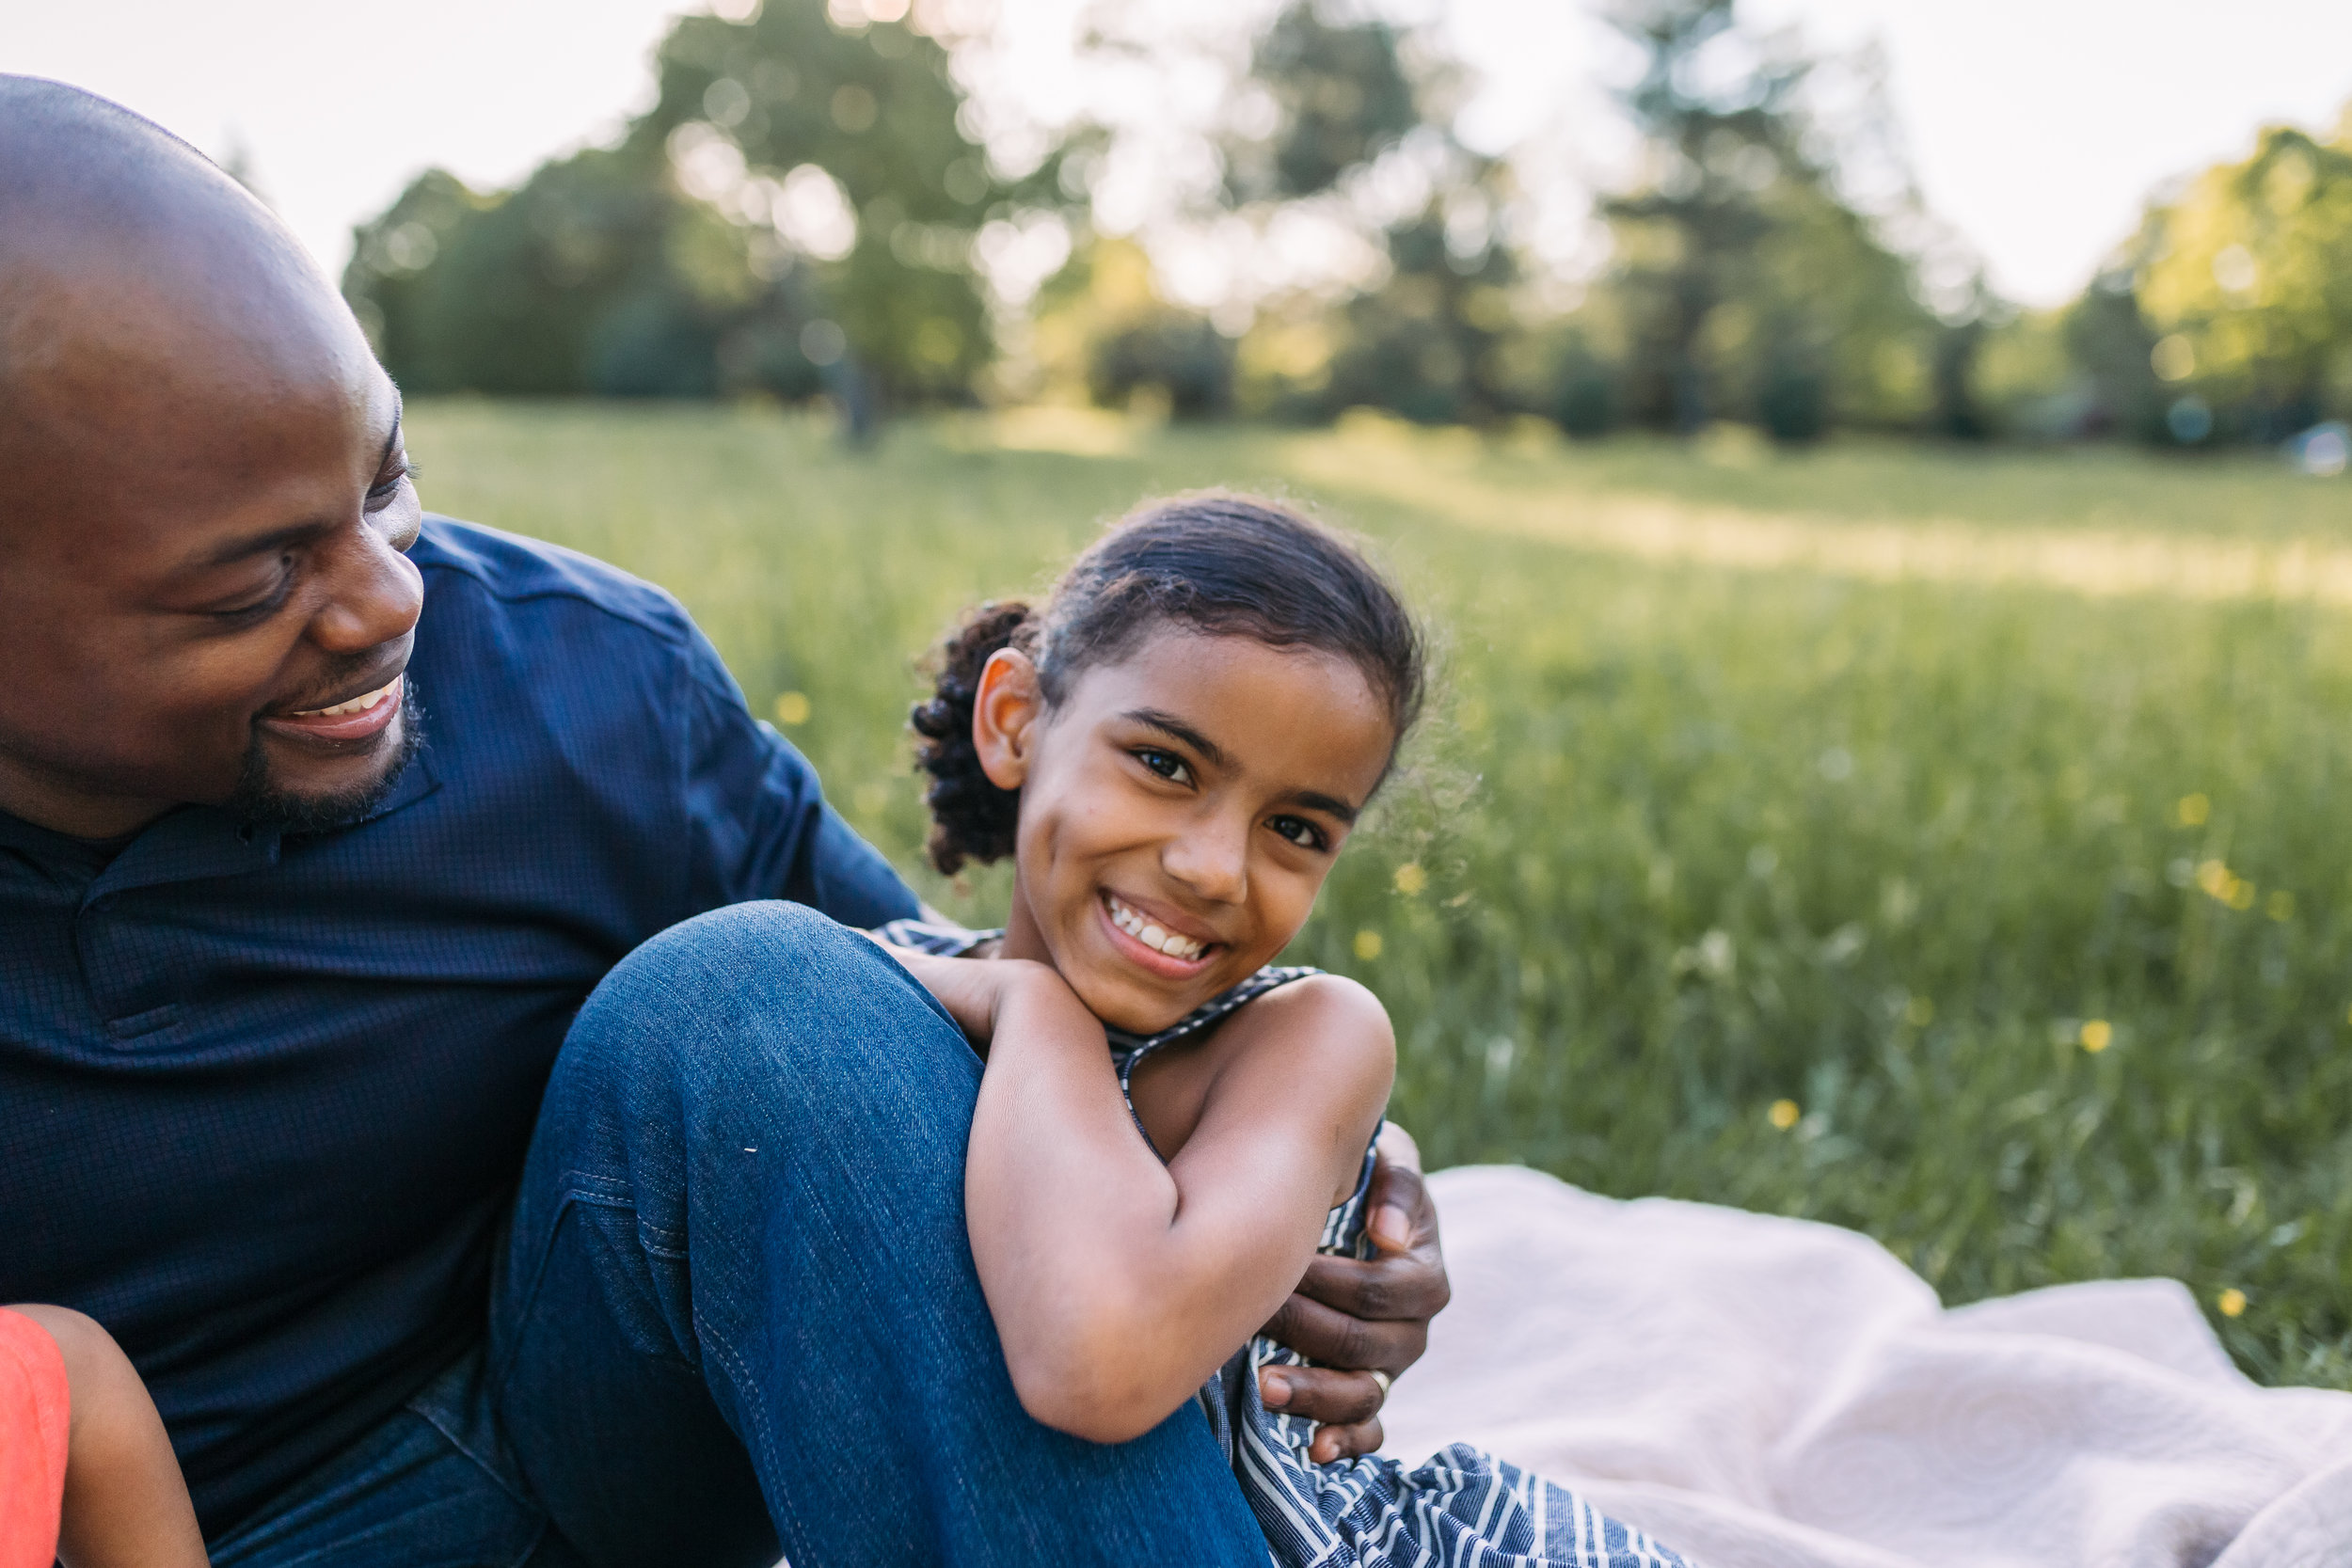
(1945, 845)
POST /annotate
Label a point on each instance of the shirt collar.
(192, 843)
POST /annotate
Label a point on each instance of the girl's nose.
(1212, 860)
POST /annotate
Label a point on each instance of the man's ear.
(1005, 715)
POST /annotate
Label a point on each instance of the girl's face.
(1179, 811)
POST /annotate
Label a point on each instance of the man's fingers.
(1322, 1394)
(1406, 1285)
(1336, 1338)
(1345, 1442)
(1402, 1217)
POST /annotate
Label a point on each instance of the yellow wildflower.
(1368, 945)
(792, 709)
(1411, 878)
(1783, 1114)
(2192, 810)
(2231, 1301)
(2097, 1035)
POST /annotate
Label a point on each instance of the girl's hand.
(962, 986)
(976, 991)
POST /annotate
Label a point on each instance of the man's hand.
(1372, 1316)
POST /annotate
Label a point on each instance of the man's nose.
(1211, 858)
(375, 594)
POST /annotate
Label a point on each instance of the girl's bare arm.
(125, 1503)
(1119, 1284)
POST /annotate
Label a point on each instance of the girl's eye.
(1301, 832)
(1166, 764)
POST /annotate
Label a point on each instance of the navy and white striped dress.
(1460, 1509)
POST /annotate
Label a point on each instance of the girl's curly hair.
(1215, 563)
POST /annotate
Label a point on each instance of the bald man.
(422, 1261)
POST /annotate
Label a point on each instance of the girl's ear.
(1005, 715)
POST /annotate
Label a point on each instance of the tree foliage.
(1716, 299)
(1340, 97)
(796, 211)
(2245, 284)
(1420, 340)
(593, 277)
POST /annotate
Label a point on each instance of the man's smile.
(355, 718)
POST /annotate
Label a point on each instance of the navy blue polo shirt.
(265, 1097)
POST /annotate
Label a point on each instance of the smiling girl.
(1172, 750)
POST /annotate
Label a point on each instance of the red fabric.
(35, 1405)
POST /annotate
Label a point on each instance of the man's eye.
(1301, 832)
(1166, 764)
(261, 608)
(380, 494)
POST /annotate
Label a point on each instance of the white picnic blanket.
(1773, 1393)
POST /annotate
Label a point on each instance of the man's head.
(204, 493)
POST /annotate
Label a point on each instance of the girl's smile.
(1160, 940)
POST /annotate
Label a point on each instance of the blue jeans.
(737, 1312)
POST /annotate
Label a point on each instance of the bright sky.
(2037, 126)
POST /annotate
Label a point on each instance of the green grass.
(1694, 840)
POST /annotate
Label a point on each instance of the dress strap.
(1128, 1050)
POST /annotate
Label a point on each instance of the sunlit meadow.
(1945, 845)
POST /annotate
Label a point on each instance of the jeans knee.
(772, 994)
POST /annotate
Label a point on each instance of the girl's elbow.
(1086, 1398)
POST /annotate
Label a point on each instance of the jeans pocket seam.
(495, 1373)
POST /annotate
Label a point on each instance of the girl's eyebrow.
(1213, 754)
(1176, 729)
(1314, 800)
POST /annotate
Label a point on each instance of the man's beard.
(260, 802)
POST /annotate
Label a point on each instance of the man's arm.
(1372, 1315)
(757, 825)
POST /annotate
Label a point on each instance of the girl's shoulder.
(1316, 1008)
(1326, 1025)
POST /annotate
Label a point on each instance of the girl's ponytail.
(971, 818)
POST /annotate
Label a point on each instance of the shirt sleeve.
(757, 825)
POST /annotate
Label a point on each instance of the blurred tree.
(1341, 98)
(1101, 329)
(2245, 281)
(2108, 338)
(1422, 343)
(1959, 410)
(1717, 139)
(1422, 339)
(2024, 379)
(594, 276)
(797, 211)
(1744, 283)
(1585, 405)
(871, 107)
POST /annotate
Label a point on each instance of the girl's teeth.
(1151, 935)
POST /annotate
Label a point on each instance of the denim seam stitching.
(739, 1375)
